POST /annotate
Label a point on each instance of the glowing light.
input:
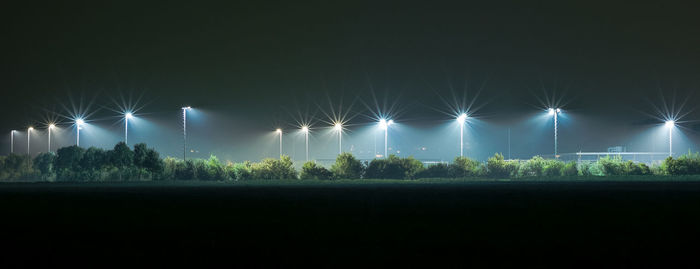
(558, 110)
(305, 129)
(670, 123)
(51, 126)
(79, 122)
(279, 131)
(128, 115)
(30, 129)
(462, 118)
(338, 126)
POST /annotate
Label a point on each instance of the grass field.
(616, 221)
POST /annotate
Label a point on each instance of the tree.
(140, 151)
(347, 166)
(122, 158)
(68, 161)
(44, 164)
(310, 170)
(153, 164)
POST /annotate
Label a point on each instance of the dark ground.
(523, 224)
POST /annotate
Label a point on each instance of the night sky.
(251, 66)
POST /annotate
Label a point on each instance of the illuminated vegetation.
(143, 164)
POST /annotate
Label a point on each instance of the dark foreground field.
(485, 223)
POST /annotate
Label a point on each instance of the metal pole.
(126, 130)
(49, 139)
(340, 142)
(184, 134)
(670, 141)
(29, 131)
(386, 134)
(77, 139)
(280, 145)
(12, 141)
(509, 157)
(461, 140)
(306, 135)
(555, 135)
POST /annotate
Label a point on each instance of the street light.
(12, 141)
(305, 129)
(555, 112)
(51, 126)
(127, 116)
(384, 124)
(29, 131)
(461, 120)
(338, 127)
(670, 124)
(279, 131)
(184, 131)
(78, 123)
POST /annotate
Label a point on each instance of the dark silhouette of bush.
(438, 170)
(464, 167)
(310, 170)
(394, 167)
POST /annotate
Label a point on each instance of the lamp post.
(338, 127)
(51, 126)
(279, 131)
(384, 124)
(29, 132)
(670, 124)
(184, 132)
(127, 116)
(555, 112)
(78, 123)
(461, 120)
(305, 129)
(12, 141)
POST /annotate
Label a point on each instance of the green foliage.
(498, 167)
(687, 164)
(274, 169)
(310, 170)
(394, 167)
(43, 164)
(15, 166)
(570, 169)
(533, 167)
(552, 168)
(438, 170)
(346, 166)
(464, 167)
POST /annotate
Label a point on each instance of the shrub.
(310, 170)
(533, 167)
(274, 169)
(347, 167)
(464, 167)
(570, 169)
(497, 167)
(438, 170)
(394, 167)
(552, 168)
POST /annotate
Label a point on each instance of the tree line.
(123, 163)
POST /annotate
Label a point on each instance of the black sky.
(253, 58)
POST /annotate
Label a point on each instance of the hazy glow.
(338, 126)
(51, 126)
(384, 124)
(79, 122)
(30, 128)
(462, 118)
(279, 131)
(128, 115)
(670, 123)
(305, 129)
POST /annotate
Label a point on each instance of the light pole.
(305, 129)
(51, 126)
(29, 132)
(384, 124)
(127, 116)
(279, 131)
(555, 112)
(338, 127)
(184, 132)
(78, 123)
(461, 120)
(12, 141)
(670, 124)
